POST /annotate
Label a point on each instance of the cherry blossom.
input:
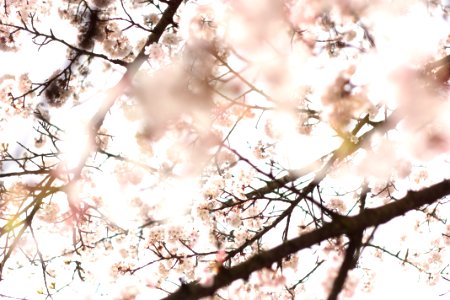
(224, 149)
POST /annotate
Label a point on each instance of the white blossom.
(170, 39)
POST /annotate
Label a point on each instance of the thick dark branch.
(350, 259)
(345, 225)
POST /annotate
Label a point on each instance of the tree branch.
(350, 259)
(345, 225)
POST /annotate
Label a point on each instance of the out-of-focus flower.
(154, 51)
(102, 3)
(151, 19)
(170, 39)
